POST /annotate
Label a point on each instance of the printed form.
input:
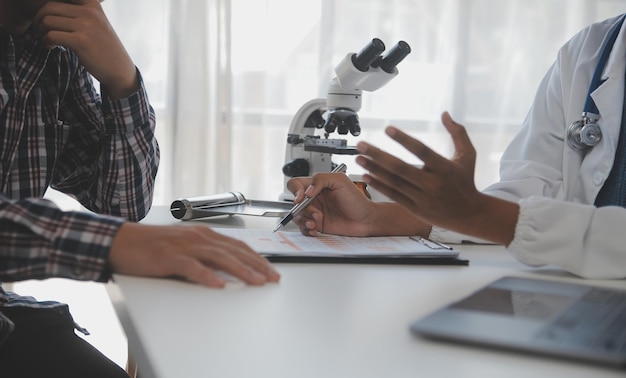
(270, 243)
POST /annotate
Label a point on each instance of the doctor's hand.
(341, 208)
(191, 252)
(442, 192)
(82, 26)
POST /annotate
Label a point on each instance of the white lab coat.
(540, 168)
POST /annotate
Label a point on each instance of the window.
(480, 59)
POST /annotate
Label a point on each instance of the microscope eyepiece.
(368, 54)
(395, 56)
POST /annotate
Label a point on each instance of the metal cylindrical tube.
(183, 208)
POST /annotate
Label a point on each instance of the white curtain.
(226, 77)
(199, 115)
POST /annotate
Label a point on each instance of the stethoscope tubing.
(590, 106)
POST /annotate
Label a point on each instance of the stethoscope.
(585, 132)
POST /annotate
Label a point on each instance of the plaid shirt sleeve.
(111, 158)
(38, 240)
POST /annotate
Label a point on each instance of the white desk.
(321, 321)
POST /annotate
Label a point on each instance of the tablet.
(567, 320)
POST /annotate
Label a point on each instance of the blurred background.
(226, 78)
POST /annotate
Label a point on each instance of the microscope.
(308, 153)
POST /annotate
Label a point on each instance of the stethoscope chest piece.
(584, 133)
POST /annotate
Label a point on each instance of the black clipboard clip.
(430, 243)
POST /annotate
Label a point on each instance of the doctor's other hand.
(192, 252)
(341, 208)
(442, 192)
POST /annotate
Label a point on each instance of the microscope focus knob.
(296, 168)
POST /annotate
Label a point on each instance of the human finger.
(78, 2)
(68, 8)
(237, 258)
(465, 153)
(406, 184)
(235, 266)
(194, 271)
(54, 22)
(72, 26)
(393, 191)
(297, 186)
(327, 180)
(218, 251)
(389, 184)
(50, 9)
(306, 220)
(431, 159)
(389, 169)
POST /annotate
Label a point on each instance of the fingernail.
(216, 282)
(273, 275)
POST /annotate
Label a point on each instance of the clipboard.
(229, 203)
(293, 247)
(381, 260)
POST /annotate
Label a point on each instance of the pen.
(305, 202)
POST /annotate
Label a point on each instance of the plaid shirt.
(57, 131)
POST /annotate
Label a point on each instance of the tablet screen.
(516, 303)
